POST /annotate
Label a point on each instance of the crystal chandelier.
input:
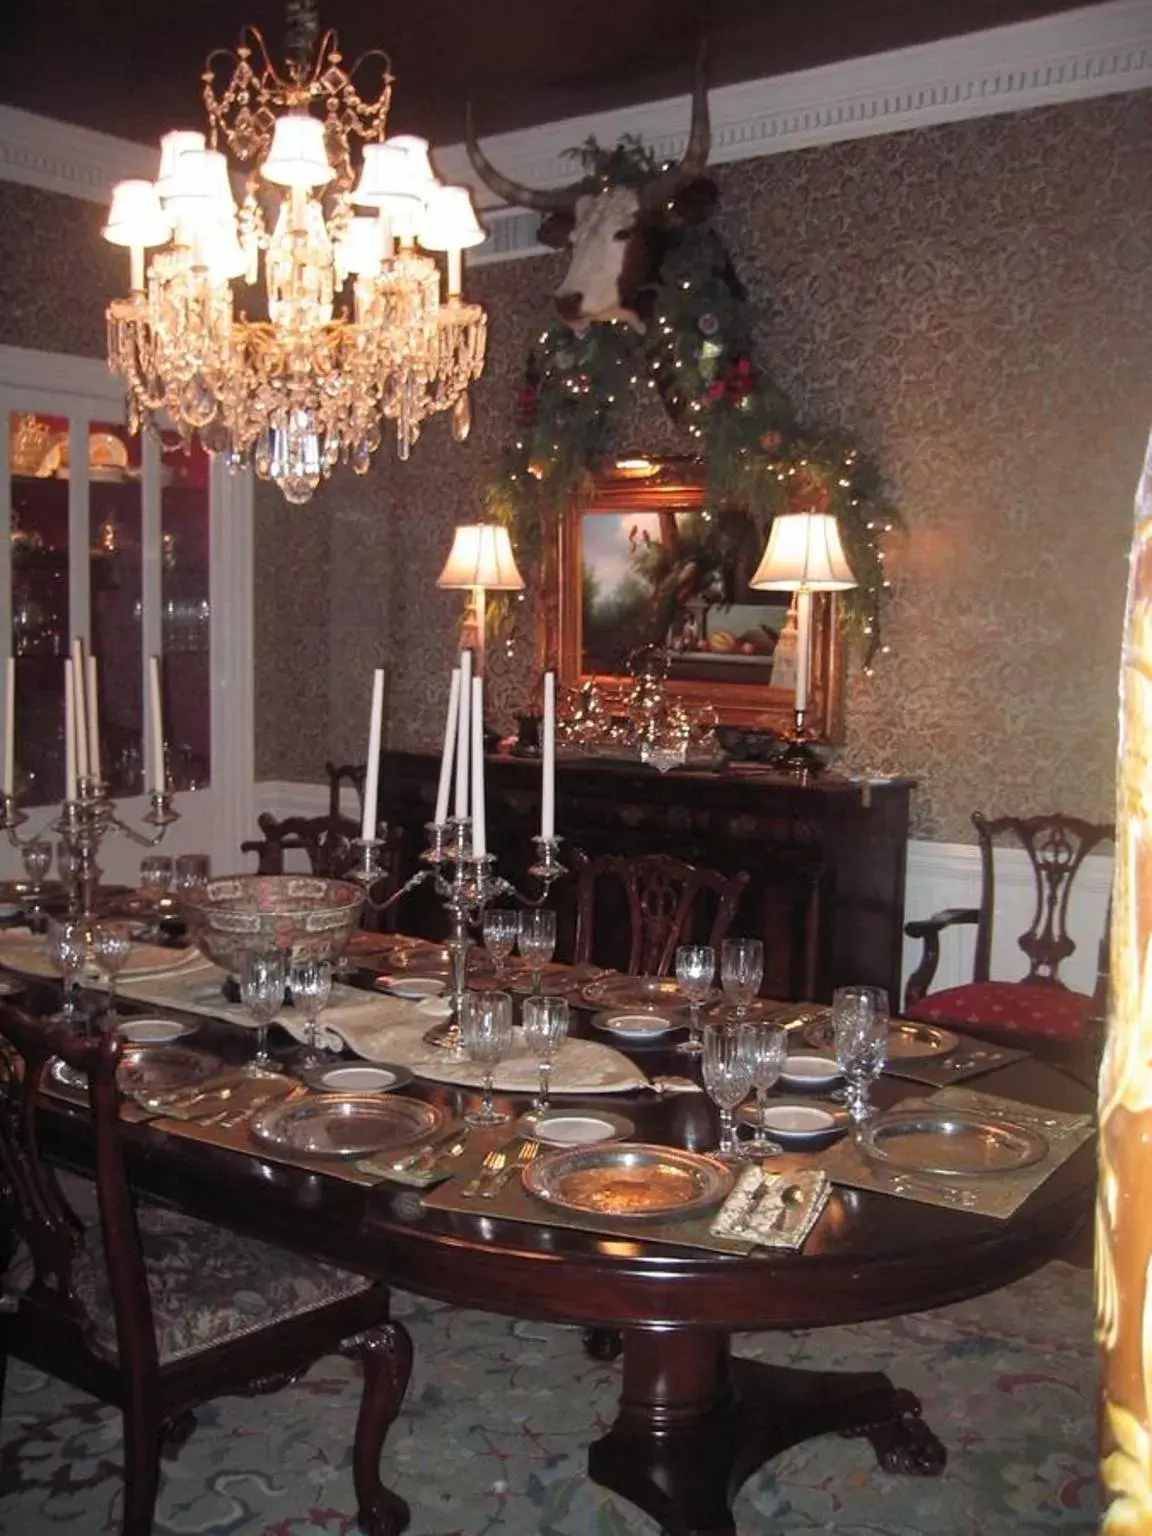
(361, 324)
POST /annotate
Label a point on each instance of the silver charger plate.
(638, 1025)
(631, 1181)
(573, 1127)
(949, 1144)
(334, 1125)
(908, 1039)
(614, 991)
(147, 1070)
(355, 1077)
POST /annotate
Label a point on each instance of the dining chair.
(1038, 1004)
(156, 1312)
(352, 774)
(633, 910)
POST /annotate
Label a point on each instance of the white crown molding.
(1096, 50)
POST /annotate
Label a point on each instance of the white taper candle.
(479, 830)
(372, 776)
(69, 733)
(548, 760)
(447, 754)
(79, 691)
(157, 775)
(462, 735)
(93, 722)
(10, 726)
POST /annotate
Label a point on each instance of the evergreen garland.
(698, 355)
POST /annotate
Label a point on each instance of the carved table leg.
(694, 1424)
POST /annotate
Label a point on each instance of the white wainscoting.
(939, 875)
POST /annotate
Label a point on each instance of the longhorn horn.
(661, 188)
(543, 199)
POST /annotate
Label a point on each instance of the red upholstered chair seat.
(1013, 1007)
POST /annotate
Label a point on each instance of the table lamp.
(803, 555)
(480, 561)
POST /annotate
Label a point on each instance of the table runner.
(24, 951)
(998, 1195)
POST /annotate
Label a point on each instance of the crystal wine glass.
(190, 874)
(109, 945)
(263, 981)
(486, 1037)
(727, 1071)
(311, 983)
(67, 949)
(767, 1046)
(860, 1033)
(537, 939)
(695, 972)
(741, 972)
(500, 927)
(545, 1021)
(37, 859)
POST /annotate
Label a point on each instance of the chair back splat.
(632, 912)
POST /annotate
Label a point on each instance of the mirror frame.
(678, 486)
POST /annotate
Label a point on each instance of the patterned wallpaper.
(974, 301)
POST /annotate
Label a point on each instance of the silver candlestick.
(83, 823)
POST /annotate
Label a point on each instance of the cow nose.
(569, 305)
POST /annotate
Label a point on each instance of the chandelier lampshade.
(295, 181)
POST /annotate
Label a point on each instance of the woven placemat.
(998, 1195)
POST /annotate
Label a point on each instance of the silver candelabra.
(465, 882)
(83, 824)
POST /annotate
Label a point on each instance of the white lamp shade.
(450, 222)
(172, 146)
(297, 157)
(481, 556)
(136, 216)
(804, 550)
(222, 253)
(360, 249)
(199, 189)
(420, 170)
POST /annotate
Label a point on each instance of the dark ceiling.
(131, 67)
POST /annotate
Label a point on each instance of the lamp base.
(799, 759)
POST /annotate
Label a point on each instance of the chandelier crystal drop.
(363, 325)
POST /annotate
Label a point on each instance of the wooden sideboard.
(826, 860)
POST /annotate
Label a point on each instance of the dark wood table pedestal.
(694, 1424)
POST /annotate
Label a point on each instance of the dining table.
(694, 1420)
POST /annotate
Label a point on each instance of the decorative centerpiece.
(307, 916)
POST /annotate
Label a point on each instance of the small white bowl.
(798, 1123)
(812, 1072)
(153, 1031)
(416, 987)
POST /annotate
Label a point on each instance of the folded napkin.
(773, 1210)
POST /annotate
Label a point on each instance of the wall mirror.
(645, 561)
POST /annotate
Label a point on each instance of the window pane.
(186, 614)
(115, 542)
(39, 601)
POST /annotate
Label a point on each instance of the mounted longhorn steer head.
(618, 235)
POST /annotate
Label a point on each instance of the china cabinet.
(138, 549)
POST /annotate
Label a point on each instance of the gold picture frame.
(643, 560)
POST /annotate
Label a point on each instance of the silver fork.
(491, 1166)
(528, 1150)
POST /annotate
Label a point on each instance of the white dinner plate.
(636, 1025)
(349, 1077)
(803, 1071)
(798, 1122)
(414, 987)
(571, 1128)
(153, 1031)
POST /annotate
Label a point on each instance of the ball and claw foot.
(903, 1443)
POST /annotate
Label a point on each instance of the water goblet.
(486, 1037)
(741, 972)
(37, 860)
(695, 972)
(727, 1073)
(155, 877)
(536, 936)
(545, 1021)
(67, 950)
(190, 874)
(500, 928)
(767, 1047)
(109, 945)
(311, 983)
(860, 1034)
(263, 981)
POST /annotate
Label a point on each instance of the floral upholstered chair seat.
(1013, 1007)
(208, 1286)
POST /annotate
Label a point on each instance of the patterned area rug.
(499, 1413)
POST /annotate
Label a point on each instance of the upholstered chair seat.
(1011, 1007)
